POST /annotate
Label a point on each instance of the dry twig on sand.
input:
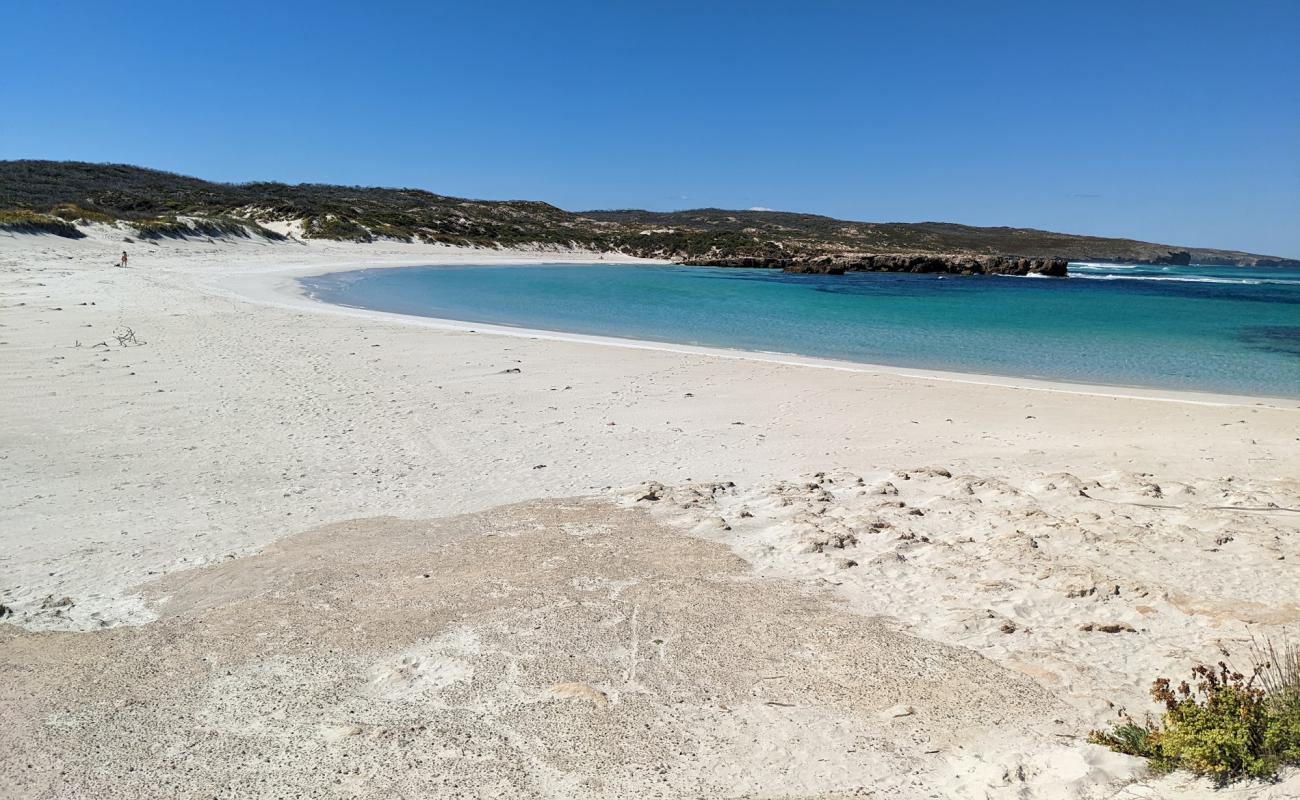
(126, 337)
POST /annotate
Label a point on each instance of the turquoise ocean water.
(1219, 329)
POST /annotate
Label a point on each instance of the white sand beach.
(379, 556)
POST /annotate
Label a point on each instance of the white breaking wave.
(1188, 279)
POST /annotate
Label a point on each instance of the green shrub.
(1223, 724)
(385, 230)
(1134, 740)
(1282, 736)
(334, 227)
(1217, 727)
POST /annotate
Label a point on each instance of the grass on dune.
(199, 227)
(21, 220)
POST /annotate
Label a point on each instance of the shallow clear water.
(1221, 329)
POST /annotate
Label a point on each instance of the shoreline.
(280, 288)
(223, 485)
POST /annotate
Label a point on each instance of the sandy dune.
(1003, 558)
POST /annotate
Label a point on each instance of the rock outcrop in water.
(1179, 258)
(896, 262)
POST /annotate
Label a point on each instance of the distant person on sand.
(122, 263)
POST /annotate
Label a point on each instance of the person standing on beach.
(122, 263)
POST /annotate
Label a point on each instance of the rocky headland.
(952, 263)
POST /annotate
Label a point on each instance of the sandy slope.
(239, 423)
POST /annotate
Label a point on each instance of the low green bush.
(1132, 739)
(1216, 728)
(1222, 724)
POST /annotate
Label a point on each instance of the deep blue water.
(1221, 329)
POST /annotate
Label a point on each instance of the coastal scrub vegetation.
(74, 213)
(210, 227)
(22, 220)
(1222, 724)
(77, 191)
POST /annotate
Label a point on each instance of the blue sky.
(1174, 122)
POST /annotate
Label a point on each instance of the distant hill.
(828, 235)
(57, 196)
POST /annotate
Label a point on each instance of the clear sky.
(1168, 121)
